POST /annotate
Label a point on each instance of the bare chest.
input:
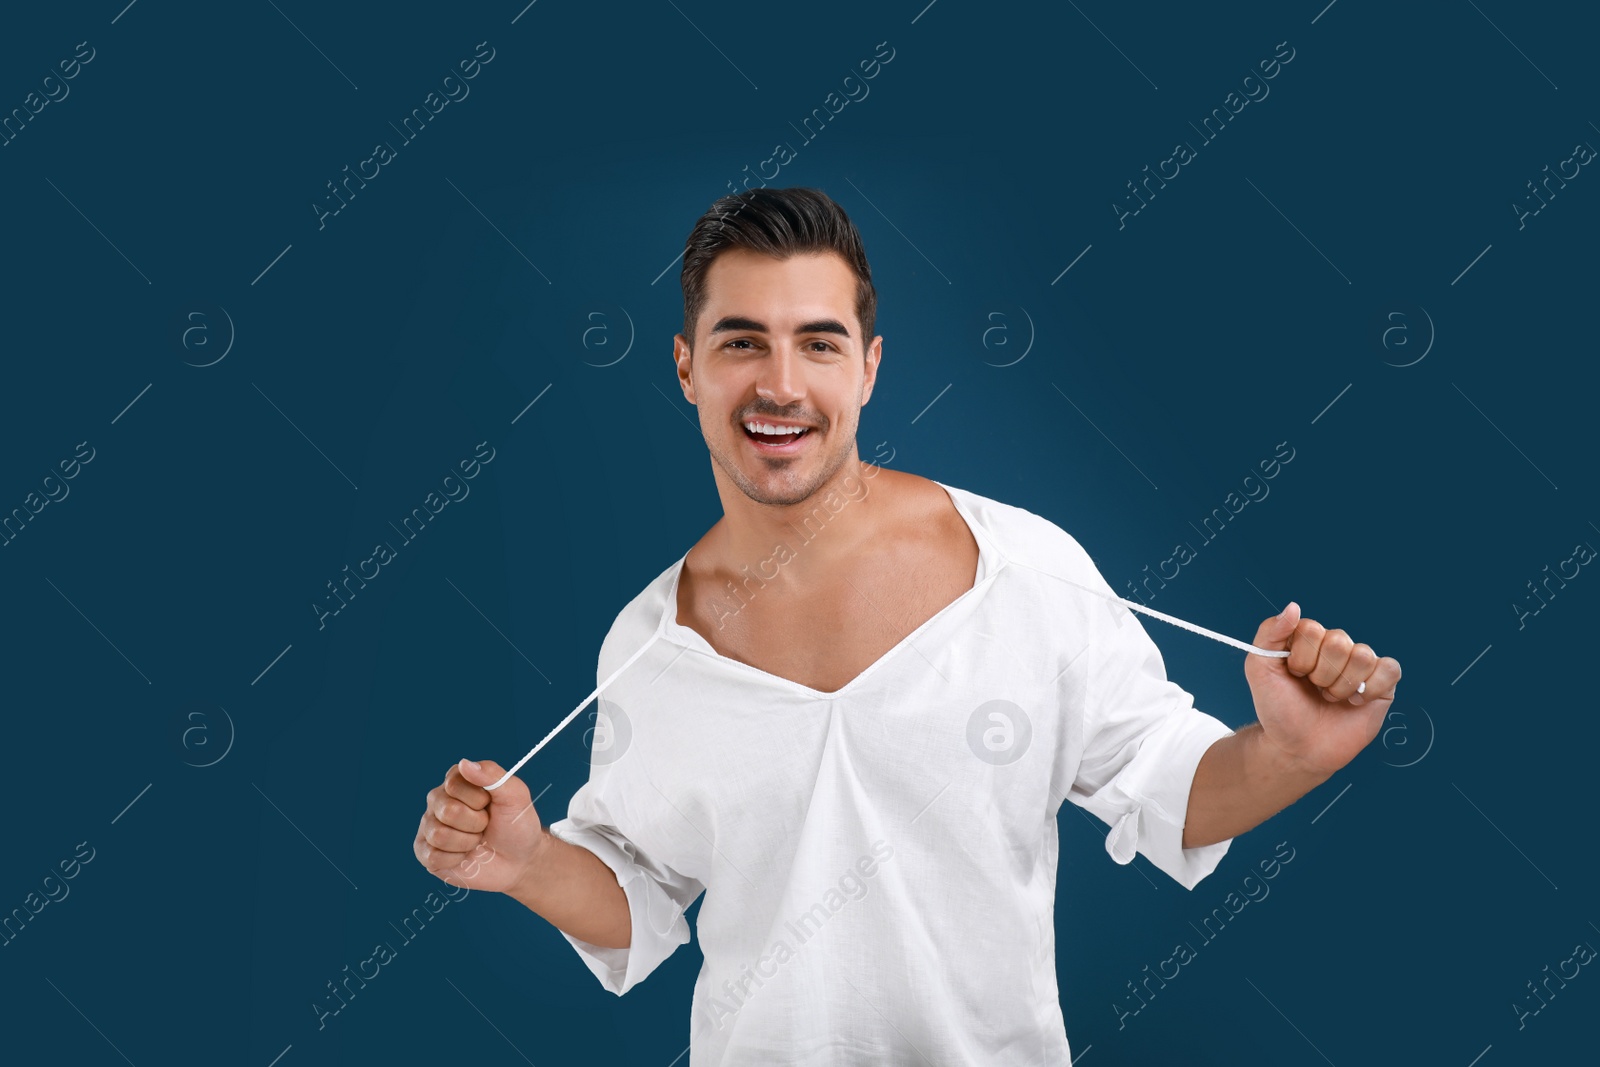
(823, 634)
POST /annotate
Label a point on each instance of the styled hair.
(778, 223)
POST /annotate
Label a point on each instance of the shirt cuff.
(657, 922)
(1152, 792)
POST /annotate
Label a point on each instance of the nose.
(782, 379)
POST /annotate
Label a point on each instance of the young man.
(850, 713)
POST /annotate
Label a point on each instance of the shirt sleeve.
(1142, 740)
(657, 896)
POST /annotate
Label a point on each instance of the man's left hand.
(1307, 703)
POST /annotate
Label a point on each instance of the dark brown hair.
(779, 223)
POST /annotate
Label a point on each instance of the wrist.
(1286, 765)
(532, 874)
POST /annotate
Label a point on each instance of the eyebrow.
(730, 323)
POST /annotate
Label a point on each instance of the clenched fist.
(478, 839)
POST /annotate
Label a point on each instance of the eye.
(825, 345)
(737, 341)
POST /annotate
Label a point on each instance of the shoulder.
(1025, 537)
(636, 623)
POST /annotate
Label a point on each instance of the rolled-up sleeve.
(657, 898)
(1142, 740)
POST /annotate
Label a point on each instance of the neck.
(794, 545)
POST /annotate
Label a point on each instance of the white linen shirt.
(879, 862)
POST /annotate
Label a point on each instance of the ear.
(681, 358)
(870, 378)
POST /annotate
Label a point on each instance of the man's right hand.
(477, 839)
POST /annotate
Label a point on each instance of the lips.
(779, 443)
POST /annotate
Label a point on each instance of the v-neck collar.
(990, 563)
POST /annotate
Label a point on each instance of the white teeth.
(774, 431)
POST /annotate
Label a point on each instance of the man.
(850, 713)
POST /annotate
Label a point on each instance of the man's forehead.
(779, 294)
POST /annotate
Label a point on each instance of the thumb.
(1274, 633)
(513, 794)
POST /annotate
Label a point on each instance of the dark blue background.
(1432, 878)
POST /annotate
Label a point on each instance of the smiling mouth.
(775, 438)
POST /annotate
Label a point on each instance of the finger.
(1357, 669)
(473, 796)
(439, 859)
(449, 839)
(455, 813)
(1332, 655)
(1303, 645)
(436, 859)
(1381, 684)
(512, 795)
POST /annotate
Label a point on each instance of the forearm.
(1241, 782)
(572, 889)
